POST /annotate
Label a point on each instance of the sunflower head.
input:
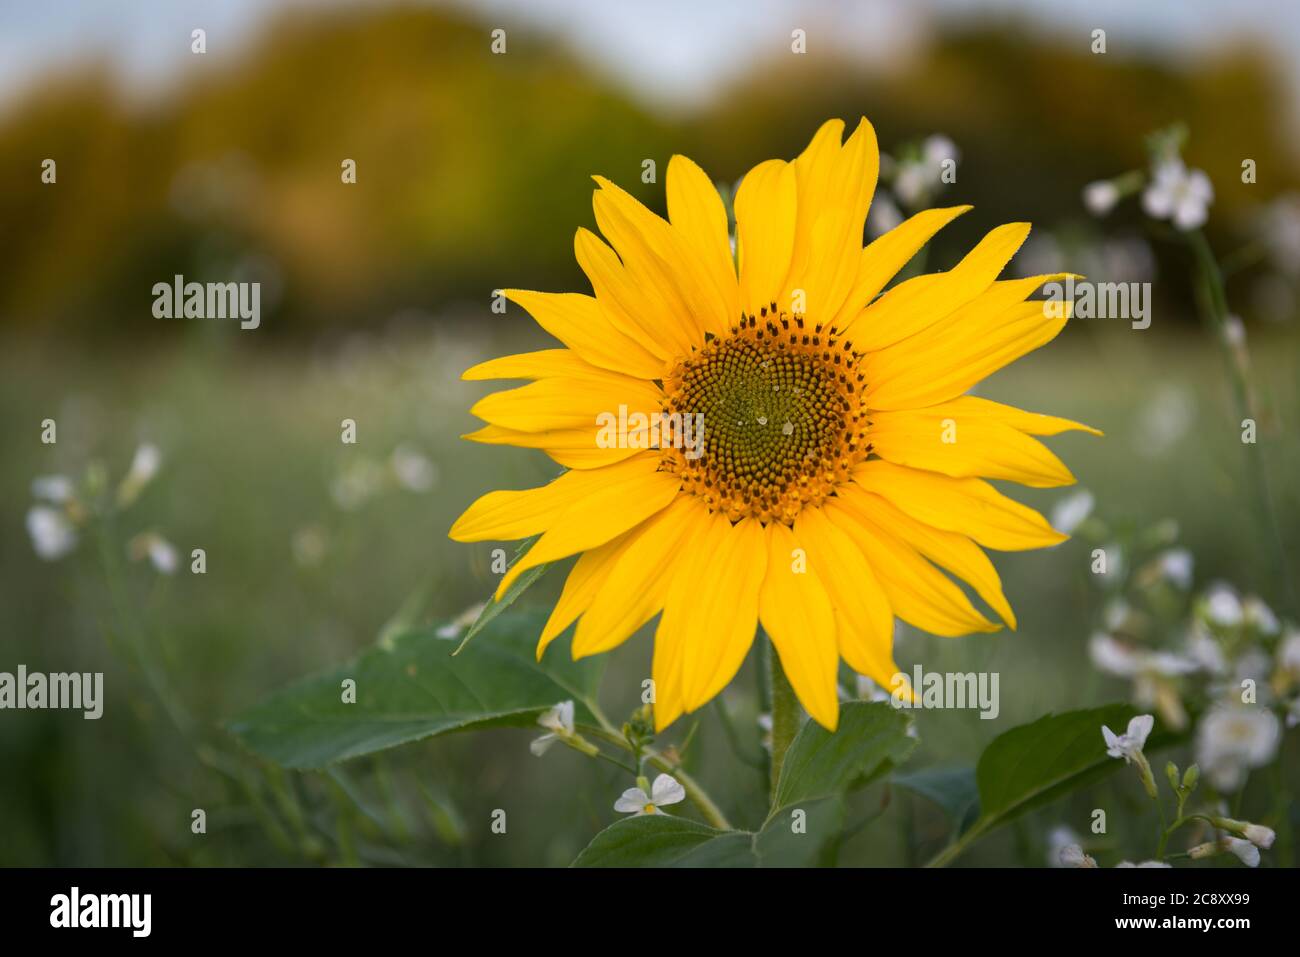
(840, 467)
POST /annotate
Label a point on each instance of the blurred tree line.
(472, 168)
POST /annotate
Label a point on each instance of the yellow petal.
(662, 280)
(639, 312)
(722, 590)
(506, 515)
(1034, 423)
(797, 615)
(695, 209)
(765, 224)
(918, 303)
(969, 506)
(585, 580)
(815, 170)
(572, 448)
(835, 188)
(635, 590)
(948, 438)
(946, 359)
(606, 512)
(863, 617)
(549, 404)
(581, 324)
(564, 363)
(950, 550)
(918, 592)
(887, 254)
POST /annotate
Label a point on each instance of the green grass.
(251, 440)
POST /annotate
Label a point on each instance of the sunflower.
(842, 468)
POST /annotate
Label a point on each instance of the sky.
(670, 51)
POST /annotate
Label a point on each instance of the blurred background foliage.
(473, 173)
(473, 168)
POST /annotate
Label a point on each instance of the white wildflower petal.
(632, 801)
(53, 536)
(1139, 728)
(540, 746)
(1112, 656)
(1259, 835)
(1223, 607)
(52, 488)
(1176, 566)
(1244, 851)
(1261, 616)
(163, 556)
(1072, 856)
(1099, 198)
(145, 464)
(666, 790)
(1071, 512)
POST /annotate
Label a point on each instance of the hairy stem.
(785, 717)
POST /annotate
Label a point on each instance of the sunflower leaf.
(665, 840)
(1036, 763)
(412, 688)
(871, 739)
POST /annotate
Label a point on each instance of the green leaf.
(953, 789)
(412, 688)
(871, 739)
(1036, 763)
(525, 581)
(664, 840)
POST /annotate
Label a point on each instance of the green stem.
(785, 717)
(1213, 301)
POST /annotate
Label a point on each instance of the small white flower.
(1245, 851)
(559, 723)
(53, 536)
(1112, 656)
(414, 471)
(1234, 331)
(1117, 658)
(1259, 835)
(937, 149)
(1143, 864)
(162, 554)
(1260, 616)
(1099, 198)
(665, 790)
(1179, 194)
(145, 464)
(1129, 745)
(1206, 651)
(1176, 565)
(1072, 856)
(1058, 839)
(1071, 512)
(1222, 606)
(1288, 653)
(1233, 740)
(52, 488)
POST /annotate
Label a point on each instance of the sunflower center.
(784, 419)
